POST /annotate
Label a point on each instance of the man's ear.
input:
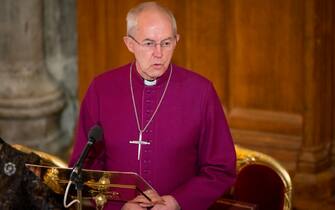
(177, 37)
(129, 43)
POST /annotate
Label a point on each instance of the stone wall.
(38, 87)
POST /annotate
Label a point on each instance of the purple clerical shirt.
(191, 154)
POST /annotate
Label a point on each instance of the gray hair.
(134, 12)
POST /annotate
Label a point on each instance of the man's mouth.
(158, 65)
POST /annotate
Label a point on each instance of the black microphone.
(95, 134)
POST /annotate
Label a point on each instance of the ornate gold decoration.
(100, 200)
(52, 180)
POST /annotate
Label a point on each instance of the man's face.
(152, 43)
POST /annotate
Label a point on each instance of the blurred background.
(272, 63)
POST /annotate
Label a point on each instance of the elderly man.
(161, 121)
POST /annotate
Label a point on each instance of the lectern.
(100, 186)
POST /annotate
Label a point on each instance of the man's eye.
(149, 44)
(166, 44)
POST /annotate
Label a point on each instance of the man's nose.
(158, 51)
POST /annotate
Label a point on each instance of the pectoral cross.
(139, 143)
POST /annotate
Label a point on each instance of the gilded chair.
(262, 183)
(43, 155)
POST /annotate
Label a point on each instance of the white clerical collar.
(150, 82)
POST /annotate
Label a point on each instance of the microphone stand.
(76, 178)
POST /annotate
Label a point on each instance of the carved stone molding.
(30, 100)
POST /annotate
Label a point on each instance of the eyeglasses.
(150, 44)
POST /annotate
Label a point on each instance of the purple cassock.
(191, 154)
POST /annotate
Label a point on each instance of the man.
(159, 120)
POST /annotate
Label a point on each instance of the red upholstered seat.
(261, 185)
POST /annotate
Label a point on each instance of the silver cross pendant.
(139, 142)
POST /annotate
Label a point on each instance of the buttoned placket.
(151, 98)
(149, 104)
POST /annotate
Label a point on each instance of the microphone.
(95, 134)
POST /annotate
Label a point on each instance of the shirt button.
(147, 161)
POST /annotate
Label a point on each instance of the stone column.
(30, 101)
